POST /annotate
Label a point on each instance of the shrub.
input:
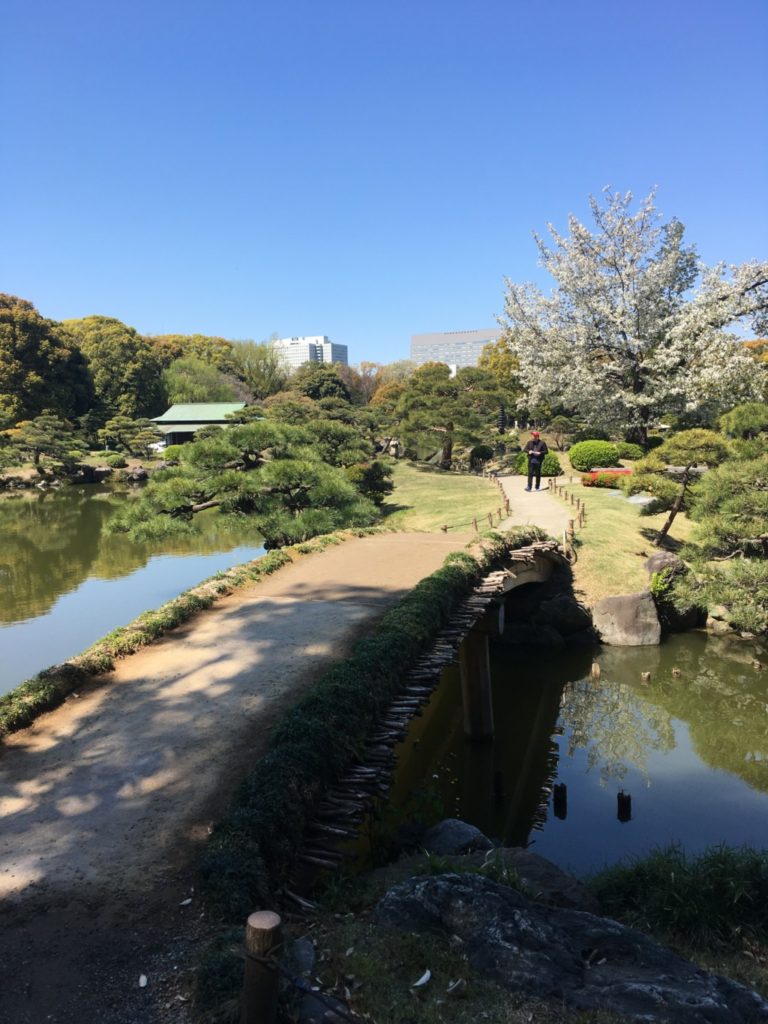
(587, 455)
(479, 454)
(372, 479)
(549, 467)
(661, 488)
(602, 480)
(627, 450)
(172, 453)
(653, 441)
(115, 460)
(590, 434)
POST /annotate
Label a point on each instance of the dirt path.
(534, 507)
(103, 801)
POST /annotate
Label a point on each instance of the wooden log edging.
(345, 805)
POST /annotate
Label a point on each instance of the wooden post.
(490, 518)
(474, 663)
(571, 530)
(506, 505)
(474, 523)
(258, 1004)
(573, 499)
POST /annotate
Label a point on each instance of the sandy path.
(535, 508)
(102, 799)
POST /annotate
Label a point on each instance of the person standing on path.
(536, 449)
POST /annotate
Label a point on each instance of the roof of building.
(199, 412)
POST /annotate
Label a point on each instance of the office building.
(315, 349)
(457, 348)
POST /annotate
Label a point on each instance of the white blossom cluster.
(635, 329)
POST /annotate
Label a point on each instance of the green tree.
(746, 421)
(679, 456)
(48, 436)
(259, 364)
(213, 350)
(124, 434)
(340, 444)
(437, 409)
(269, 471)
(319, 380)
(731, 509)
(190, 379)
(40, 369)
(126, 371)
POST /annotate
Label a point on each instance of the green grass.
(615, 541)
(425, 499)
(711, 902)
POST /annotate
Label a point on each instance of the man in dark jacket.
(536, 449)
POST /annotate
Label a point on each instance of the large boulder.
(588, 962)
(661, 560)
(453, 836)
(628, 620)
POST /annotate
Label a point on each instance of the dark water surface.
(64, 582)
(691, 749)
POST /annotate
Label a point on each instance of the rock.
(717, 626)
(304, 955)
(629, 620)
(662, 560)
(454, 836)
(543, 880)
(531, 634)
(316, 1011)
(564, 614)
(587, 962)
(719, 611)
(137, 474)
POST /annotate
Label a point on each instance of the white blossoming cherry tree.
(635, 329)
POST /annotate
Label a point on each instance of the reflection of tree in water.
(615, 726)
(53, 541)
(724, 701)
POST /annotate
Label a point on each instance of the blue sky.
(365, 170)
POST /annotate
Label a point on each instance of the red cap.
(535, 433)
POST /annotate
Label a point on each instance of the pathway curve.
(534, 508)
(103, 800)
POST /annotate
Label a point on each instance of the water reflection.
(690, 746)
(65, 582)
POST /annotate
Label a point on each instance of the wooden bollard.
(490, 518)
(573, 499)
(263, 939)
(571, 530)
(444, 529)
(474, 523)
(506, 506)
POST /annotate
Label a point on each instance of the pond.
(65, 582)
(690, 747)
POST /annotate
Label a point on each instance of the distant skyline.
(363, 171)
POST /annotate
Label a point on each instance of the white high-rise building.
(314, 349)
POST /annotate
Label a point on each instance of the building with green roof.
(180, 423)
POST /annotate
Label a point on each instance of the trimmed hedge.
(627, 450)
(549, 467)
(251, 851)
(587, 455)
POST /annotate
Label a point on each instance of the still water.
(690, 747)
(64, 582)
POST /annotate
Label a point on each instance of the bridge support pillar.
(474, 663)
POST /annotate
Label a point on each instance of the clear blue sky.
(364, 169)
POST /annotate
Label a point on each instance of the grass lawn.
(614, 543)
(424, 499)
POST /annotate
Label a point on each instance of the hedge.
(627, 450)
(587, 455)
(251, 851)
(549, 467)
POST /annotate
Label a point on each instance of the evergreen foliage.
(586, 455)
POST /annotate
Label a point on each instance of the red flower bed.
(604, 477)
